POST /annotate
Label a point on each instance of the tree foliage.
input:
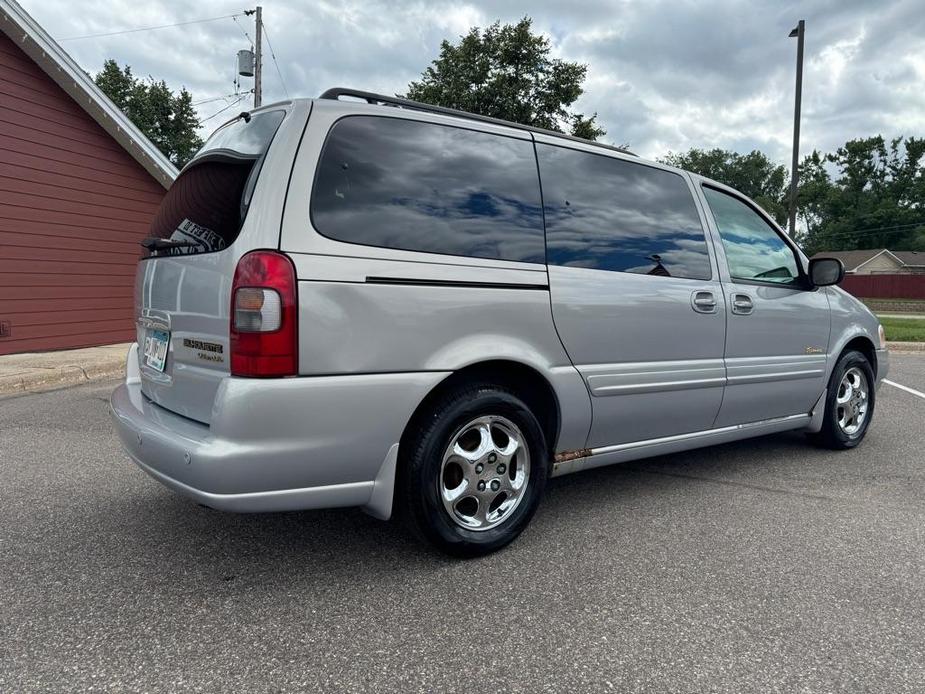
(505, 71)
(753, 174)
(167, 119)
(866, 194)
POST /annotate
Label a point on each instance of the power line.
(222, 110)
(868, 214)
(246, 35)
(273, 55)
(214, 98)
(873, 230)
(876, 231)
(161, 26)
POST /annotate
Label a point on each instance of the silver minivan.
(358, 300)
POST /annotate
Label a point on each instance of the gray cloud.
(662, 75)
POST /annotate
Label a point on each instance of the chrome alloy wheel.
(851, 401)
(484, 473)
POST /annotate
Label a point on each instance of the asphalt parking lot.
(765, 565)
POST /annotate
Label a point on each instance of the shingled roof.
(854, 259)
(911, 258)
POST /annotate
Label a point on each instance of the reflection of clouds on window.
(610, 214)
(754, 250)
(245, 137)
(418, 186)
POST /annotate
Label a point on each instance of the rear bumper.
(277, 444)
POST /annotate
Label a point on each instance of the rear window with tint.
(207, 203)
(610, 214)
(408, 185)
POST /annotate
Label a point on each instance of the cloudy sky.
(662, 75)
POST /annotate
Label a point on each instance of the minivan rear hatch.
(183, 286)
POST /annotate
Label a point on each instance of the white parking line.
(905, 388)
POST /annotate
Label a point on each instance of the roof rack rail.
(335, 93)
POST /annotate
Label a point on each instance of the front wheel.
(849, 402)
(475, 471)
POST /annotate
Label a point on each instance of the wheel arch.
(864, 345)
(825, 428)
(524, 380)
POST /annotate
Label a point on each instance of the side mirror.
(826, 271)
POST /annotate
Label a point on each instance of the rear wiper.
(152, 243)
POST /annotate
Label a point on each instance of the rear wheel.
(849, 402)
(474, 473)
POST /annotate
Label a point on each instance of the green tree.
(752, 174)
(869, 193)
(168, 119)
(504, 71)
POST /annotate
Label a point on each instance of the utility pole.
(794, 176)
(258, 57)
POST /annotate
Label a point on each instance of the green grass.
(904, 329)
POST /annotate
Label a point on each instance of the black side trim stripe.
(454, 283)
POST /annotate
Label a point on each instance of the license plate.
(156, 342)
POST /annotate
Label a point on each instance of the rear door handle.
(742, 304)
(703, 302)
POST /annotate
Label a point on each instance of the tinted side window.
(611, 214)
(416, 186)
(754, 250)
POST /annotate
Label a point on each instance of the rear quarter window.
(409, 185)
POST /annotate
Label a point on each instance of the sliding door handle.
(703, 302)
(742, 304)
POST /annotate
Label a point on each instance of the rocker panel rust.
(565, 456)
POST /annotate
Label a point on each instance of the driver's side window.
(754, 250)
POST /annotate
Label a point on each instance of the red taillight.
(264, 316)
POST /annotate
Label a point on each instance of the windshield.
(205, 207)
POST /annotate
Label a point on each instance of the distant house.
(79, 184)
(913, 261)
(879, 261)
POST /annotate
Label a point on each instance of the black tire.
(419, 501)
(832, 435)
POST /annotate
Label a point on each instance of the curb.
(58, 378)
(35, 379)
(906, 346)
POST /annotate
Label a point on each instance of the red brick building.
(78, 187)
